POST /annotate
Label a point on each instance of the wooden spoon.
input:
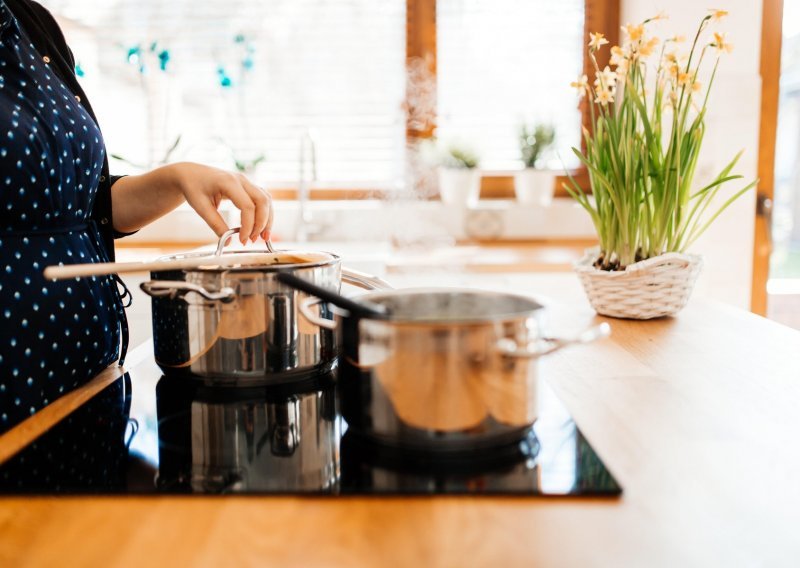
(63, 272)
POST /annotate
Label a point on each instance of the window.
(240, 83)
(497, 72)
(785, 260)
(242, 79)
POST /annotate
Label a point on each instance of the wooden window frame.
(600, 16)
(770, 68)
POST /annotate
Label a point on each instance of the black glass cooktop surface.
(147, 433)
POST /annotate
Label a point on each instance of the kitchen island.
(696, 417)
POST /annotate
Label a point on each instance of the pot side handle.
(364, 280)
(509, 348)
(179, 289)
(311, 317)
(349, 276)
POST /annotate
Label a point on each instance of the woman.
(58, 204)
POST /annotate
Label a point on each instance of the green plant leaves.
(534, 141)
(641, 155)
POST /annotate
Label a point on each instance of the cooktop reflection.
(147, 433)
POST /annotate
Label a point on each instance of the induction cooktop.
(147, 433)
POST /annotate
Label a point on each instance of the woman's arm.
(140, 199)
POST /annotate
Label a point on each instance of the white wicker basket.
(651, 288)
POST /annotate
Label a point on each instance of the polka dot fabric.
(53, 335)
(84, 453)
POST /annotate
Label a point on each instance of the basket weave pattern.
(652, 288)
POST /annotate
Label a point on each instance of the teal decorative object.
(136, 55)
(224, 79)
(163, 59)
(245, 60)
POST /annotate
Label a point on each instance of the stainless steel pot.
(238, 324)
(446, 369)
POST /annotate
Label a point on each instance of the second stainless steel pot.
(239, 325)
(446, 369)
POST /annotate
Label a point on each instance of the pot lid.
(255, 260)
(448, 306)
(267, 259)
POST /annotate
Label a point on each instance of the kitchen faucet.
(308, 146)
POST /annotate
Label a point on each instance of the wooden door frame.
(771, 40)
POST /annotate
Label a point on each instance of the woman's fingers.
(204, 188)
(208, 211)
(266, 234)
(242, 200)
(262, 222)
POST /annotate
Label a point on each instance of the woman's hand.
(205, 187)
(139, 200)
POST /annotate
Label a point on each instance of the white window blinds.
(245, 78)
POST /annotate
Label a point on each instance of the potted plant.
(459, 176)
(535, 185)
(647, 125)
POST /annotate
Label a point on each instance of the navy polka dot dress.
(53, 335)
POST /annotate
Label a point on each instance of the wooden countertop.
(698, 417)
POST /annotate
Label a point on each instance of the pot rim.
(534, 311)
(333, 259)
